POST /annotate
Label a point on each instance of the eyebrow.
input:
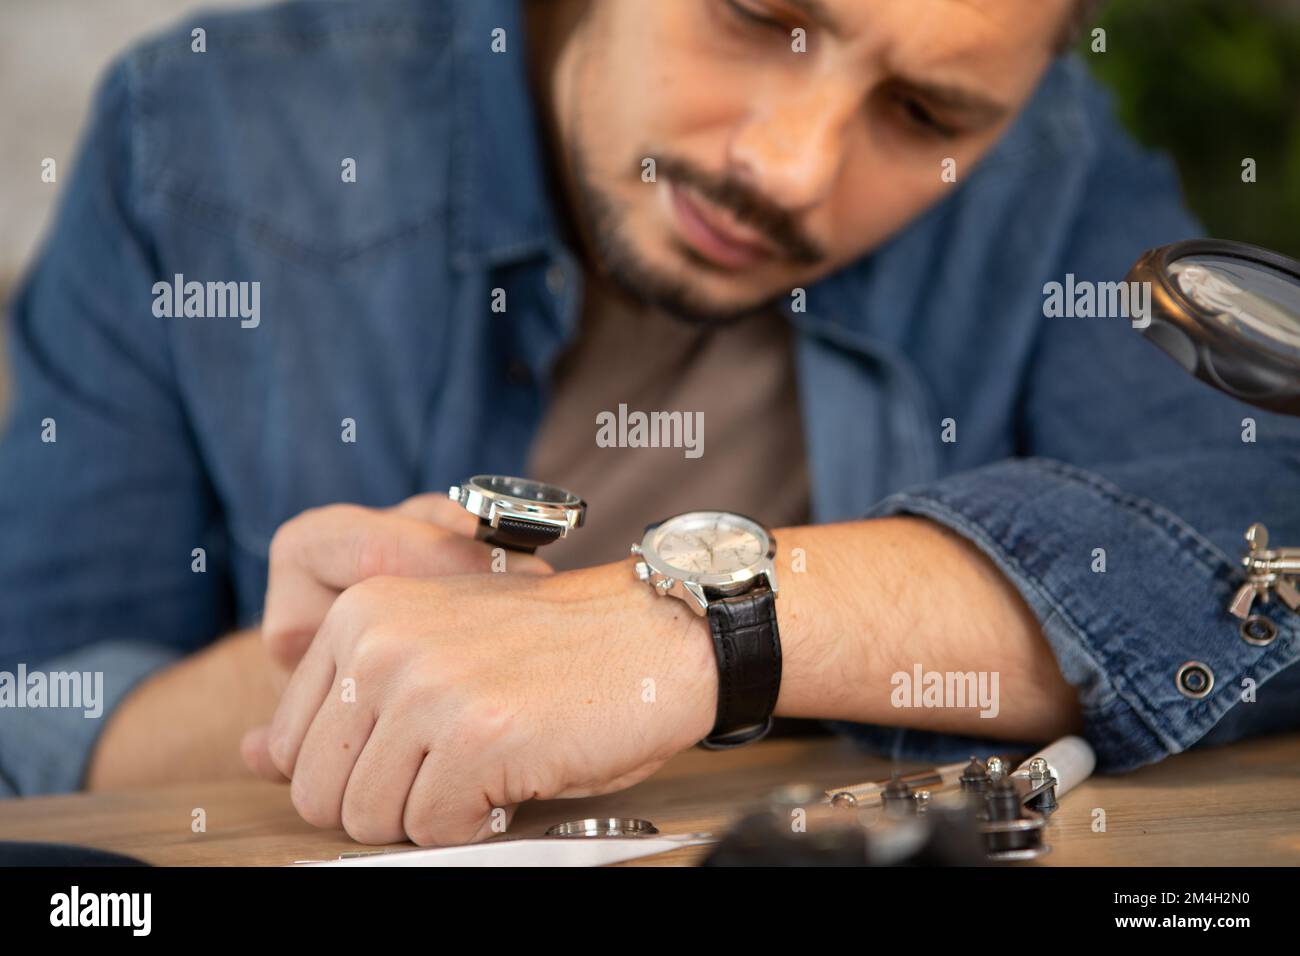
(946, 96)
(820, 14)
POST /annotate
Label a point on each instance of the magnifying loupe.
(1229, 313)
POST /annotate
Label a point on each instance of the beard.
(617, 257)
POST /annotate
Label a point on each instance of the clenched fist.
(423, 706)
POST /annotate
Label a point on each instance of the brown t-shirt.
(741, 378)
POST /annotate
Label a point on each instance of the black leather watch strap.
(517, 535)
(748, 646)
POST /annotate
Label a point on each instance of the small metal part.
(603, 827)
(975, 778)
(1269, 571)
(1257, 630)
(1005, 815)
(869, 792)
(897, 798)
(1194, 680)
(1011, 831)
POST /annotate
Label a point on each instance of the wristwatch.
(518, 513)
(721, 565)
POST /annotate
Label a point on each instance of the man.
(826, 225)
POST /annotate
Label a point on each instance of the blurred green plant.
(1213, 82)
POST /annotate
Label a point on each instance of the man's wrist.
(623, 616)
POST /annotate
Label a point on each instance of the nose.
(791, 149)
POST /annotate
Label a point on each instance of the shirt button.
(555, 279)
(1194, 680)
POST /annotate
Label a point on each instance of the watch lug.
(694, 597)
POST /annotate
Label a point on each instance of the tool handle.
(1070, 759)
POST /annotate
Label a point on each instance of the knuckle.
(422, 833)
(372, 652)
(363, 824)
(476, 723)
(309, 807)
(487, 721)
(353, 605)
(371, 558)
(457, 823)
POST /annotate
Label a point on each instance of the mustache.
(748, 206)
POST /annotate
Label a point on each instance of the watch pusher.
(697, 594)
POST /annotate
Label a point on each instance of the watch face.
(525, 488)
(702, 544)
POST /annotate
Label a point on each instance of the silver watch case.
(697, 591)
(475, 497)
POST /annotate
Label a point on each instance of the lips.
(714, 235)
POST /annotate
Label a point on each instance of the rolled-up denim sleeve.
(47, 749)
(1126, 593)
(1121, 517)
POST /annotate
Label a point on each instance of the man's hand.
(322, 552)
(427, 709)
(423, 706)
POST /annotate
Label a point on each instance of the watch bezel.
(476, 496)
(697, 590)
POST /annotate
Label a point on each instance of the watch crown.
(454, 492)
(636, 548)
(642, 571)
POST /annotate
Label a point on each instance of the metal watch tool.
(519, 513)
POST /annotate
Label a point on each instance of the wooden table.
(1236, 805)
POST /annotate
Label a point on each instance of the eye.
(917, 114)
(751, 16)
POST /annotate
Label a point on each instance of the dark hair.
(1084, 12)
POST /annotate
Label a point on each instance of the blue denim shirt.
(182, 433)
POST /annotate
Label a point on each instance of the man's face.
(772, 167)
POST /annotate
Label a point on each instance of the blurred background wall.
(52, 53)
(1210, 81)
